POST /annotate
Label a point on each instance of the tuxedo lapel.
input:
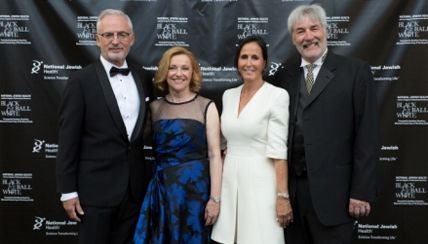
(324, 77)
(141, 93)
(294, 76)
(110, 99)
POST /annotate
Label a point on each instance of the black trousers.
(306, 228)
(110, 225)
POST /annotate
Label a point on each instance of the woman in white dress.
(254, 197)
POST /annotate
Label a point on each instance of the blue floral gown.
(173, 208)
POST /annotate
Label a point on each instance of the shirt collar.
(107, 65)
(319, 61)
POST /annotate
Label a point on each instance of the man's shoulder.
(138, 69)
(86, 70)
(135, 67)
(346, 59)
(90, 67)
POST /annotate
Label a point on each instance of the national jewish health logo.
(171, 31)
(412, 110)
(38, 145)
(273, 68)
(247, 26)
(52, 227)
(376, 231)
(413, 29)
(48, 149)
(14, 29)
(386, 72)
(86, 30)
(38, 222)
(389, 153)
(411, 190)
(37, 66)
(337, 30)
(53, 71)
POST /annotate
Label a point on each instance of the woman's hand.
(284, 212)
(211, 212)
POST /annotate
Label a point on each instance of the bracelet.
(284, 195)
(215, 199)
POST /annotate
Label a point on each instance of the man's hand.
(73, 209)
(358, 208)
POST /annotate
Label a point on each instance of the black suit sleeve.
(70, 123)
(366, 141)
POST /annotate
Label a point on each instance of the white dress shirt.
(126, 94)
(318, 63)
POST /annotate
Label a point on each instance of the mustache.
(307, 44)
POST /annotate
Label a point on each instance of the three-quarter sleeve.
(277, 131)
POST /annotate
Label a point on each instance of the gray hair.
(313, 11)
(107, 12)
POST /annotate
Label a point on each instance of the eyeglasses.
(121, 35)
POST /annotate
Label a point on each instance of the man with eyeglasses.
(101, 173)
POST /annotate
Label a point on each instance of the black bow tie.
(114, 71)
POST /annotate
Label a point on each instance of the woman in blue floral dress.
(182, 200)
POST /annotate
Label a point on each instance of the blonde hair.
(163, 67)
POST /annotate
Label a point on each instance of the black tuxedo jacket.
(95, 157)
(341, 136)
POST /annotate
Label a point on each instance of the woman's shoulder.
(273, 90)
(233, 90)
(275, 94)
(157, 100)
(156, 103)
(203, 101)
(202, 98)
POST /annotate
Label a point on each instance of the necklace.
(174, 100)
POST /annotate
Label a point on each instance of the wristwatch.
(215, 199)
(284, 195)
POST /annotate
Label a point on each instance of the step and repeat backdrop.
(42, 42)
